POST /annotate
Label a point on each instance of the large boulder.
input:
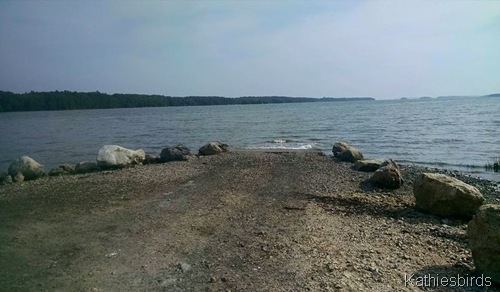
(86, 167)
(484, 240)
(5, 178)
(346, 152)
(367, 165)
(178, 152)
(114, 156)
(387, 175)
(62, 169)
(446, 196)
(25, 168)
(212, 148)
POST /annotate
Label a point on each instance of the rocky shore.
(237, 221)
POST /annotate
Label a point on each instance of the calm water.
(442, 133)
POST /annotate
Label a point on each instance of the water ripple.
(452, 133)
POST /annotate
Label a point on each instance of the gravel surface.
(239, 221)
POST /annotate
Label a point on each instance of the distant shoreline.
(72, 100)
(67, 100)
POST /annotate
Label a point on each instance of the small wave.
(290, 134)
(279, 141)
(440, 164)
(282, 146)
(321, 130)
(445, 140)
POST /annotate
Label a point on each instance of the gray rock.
(114, 156)
(350, 155)
(213, 148)
(25, 168)
(339, 147)
(446, 196)
(178, 152)
(150, 159)
(367, 165)
(5, 178)
(63, 169)
(484, 240)
(346, 152)
(387, 176)
(86, 167)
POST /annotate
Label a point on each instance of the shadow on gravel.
(377, 209)
(16, 273)
(407, 213)
(450, 278)
(369, 187)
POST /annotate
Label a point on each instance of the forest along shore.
(249, 220)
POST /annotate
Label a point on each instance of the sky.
(382, 49)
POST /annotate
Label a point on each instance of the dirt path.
(243, 221)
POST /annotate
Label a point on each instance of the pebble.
(185, 267)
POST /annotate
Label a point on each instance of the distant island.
(467, 96)
(451, 96)
(68, 100)
(346, 98)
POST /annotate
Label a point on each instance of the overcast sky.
(384, 49)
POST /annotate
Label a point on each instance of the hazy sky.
(384, 49)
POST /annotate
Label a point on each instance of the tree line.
(71, 100)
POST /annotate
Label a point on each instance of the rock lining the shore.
(484, 240)
(445, 196)
(387, 175)
(367, 165)
(63, 169)
(345, 152)
(213, 148)
(86, 167)
(114, 156)
(25, 168)
(178, 152)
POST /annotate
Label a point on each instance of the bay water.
(459, 133)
